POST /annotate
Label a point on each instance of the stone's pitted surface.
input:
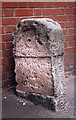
(34, 75)
(39, 65)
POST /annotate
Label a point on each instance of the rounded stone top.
(38, 37)
(49, 23)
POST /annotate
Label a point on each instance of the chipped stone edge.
(59, 85)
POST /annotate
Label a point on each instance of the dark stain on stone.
(29, 40)
(39, 42)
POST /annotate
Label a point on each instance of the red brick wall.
(13, 12)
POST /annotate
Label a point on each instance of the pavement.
(14, 106)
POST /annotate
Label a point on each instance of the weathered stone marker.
(39, 66)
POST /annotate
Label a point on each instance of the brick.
(66, 68)
(69, 59)
(1, 29)
(14, 4)
(37, 12)
(10, 21)
(9, 28)
(26, 17)
(5, 68)
(37, 17)
(60, 4)
(0, 53)
(70, 24)
(69, 44)
(0, 21)
(65, 44)
(9, 45)
(2, 46)
(71, 4)
(48, 4)
(7, 83)
(65, 31)
(0, 61)
(24, 12)
(70, 37)
(61, 11)
(22, 5)
(0, 4)
(61, 18)
(70, 50)
(70, 11)
(6, 37)
(72, 17)
(0, 13)
(10, 4)
(49, 11)
(3, 61)
(8, 66)
(72, 31)
(0, 71)
(6, 53)
(8, 13)
(35, 4)
(4, 76)
(50, 16)
(62, 24)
